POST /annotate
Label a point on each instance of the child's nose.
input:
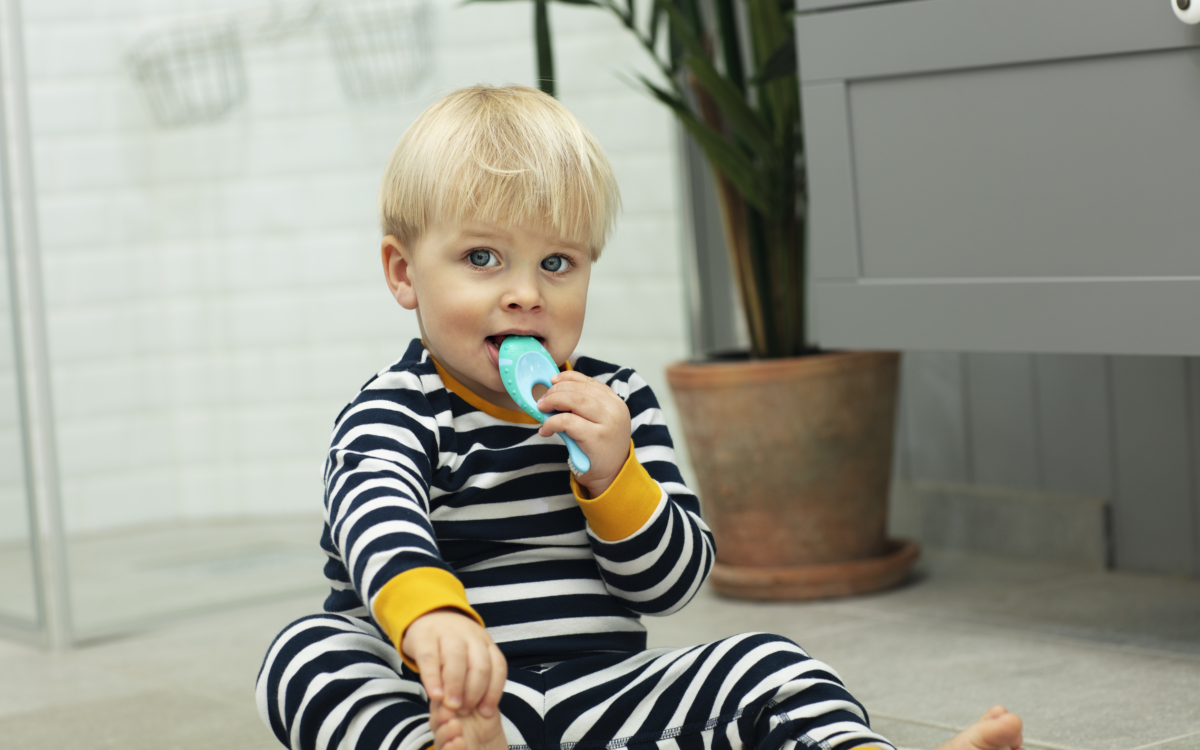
(523, 294)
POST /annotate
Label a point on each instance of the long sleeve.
(378, 476)
(651, 545)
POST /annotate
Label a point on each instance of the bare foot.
(996, 730)
(467, 730)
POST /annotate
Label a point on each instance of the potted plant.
(791, 445)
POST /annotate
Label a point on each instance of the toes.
(1001, 732)
(485, 733)
(448, 735)
(439, 715)
(466, 730)
(994, 712)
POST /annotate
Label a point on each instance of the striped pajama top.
(435, 498)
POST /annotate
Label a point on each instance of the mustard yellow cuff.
(414, 593)
(625, 506)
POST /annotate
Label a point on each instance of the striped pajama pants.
(333, 681)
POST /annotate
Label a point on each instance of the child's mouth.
(498, 339)
(494, 342)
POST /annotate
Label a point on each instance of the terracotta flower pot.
(793, 461)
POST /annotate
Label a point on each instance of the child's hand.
(596, 418)
(460, 665)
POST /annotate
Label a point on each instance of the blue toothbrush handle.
(578, 458)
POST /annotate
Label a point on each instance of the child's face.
(474, 283)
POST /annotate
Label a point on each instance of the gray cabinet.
(1008, 175)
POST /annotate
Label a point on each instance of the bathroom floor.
(1090, 660)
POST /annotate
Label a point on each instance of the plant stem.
(545, 52)
(731, 43)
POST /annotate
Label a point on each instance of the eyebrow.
(470, 235)
(484, 234)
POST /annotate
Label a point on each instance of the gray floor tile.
(1077, 695)
(18, 592)
(908, 735)
(217, 655)
(124, 579)
(1091, 661)
(1190, 742)
(186, 686)
(934, 654)
(154, 720)
(1152, 611)
(1135, 610)
(14, 648)
(709, 617)
(34, 680)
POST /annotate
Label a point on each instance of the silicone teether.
(524, 363)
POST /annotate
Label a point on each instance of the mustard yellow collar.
(487, 407)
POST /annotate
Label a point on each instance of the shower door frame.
(52, 627)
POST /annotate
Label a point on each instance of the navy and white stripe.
(332, 681)
(417, 477)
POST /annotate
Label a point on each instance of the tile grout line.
(1160, 743)
(956, 729)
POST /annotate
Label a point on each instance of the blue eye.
(555, 264)
(480, 257)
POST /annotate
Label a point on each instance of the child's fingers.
(589, 422)
(577, 401)
(429, 664)
(495, 690)
(568, 422)
(454, 667)
(572, 376)
(590, 403)
(479, 674)
(601, 411)
(573, 382)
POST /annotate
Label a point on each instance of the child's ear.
(397, 269)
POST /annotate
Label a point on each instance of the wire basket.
(191, 74)
(381, 47)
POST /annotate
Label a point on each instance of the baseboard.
(1002, 521)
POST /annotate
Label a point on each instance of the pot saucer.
(828, 581)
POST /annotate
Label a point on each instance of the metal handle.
(1186, 11)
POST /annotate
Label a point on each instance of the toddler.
(483, 597)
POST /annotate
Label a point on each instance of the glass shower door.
(19, 604)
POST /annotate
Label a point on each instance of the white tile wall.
(214, 293)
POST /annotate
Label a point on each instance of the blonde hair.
(510, 155)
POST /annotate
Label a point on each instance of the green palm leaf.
(725, 156)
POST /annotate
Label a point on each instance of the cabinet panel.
(833, 222)
(921, 36)
(1128, 316)
(1018, 176)
(1081, 168)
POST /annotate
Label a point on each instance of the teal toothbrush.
(524, 363)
